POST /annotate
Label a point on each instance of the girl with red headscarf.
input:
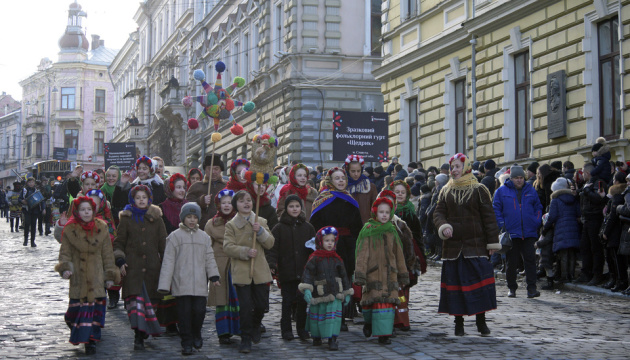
(298, 178)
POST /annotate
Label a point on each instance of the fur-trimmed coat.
(380, 270)
(365, 194)
(308, 203)
(141, 246)
(326, 278)
(90, 259)
(219, 295)
(238, 241)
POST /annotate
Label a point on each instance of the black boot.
(317, 341)
(90, 348)
(481, 324)
(367, 330)
(332, 344)
(459, 326)
(384, 340)
(25, 241)
(138, 342)
(114, 297)
(549, 285)
(225, 339)
(33, 242)
(610, 283)
(620, 286)
(245, 346)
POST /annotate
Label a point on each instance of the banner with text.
(121, 154)
(360, 133)
(60, 153)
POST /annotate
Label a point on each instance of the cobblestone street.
(565, 325)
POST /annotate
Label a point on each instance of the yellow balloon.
(216, 137)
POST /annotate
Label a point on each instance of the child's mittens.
(66, 274)
(346, 301)
(308, 296)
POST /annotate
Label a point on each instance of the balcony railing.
(34, 120)
(136, 132)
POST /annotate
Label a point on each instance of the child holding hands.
(253, 292)
(187, 266)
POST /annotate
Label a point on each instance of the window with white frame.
(99, 100)
(521, 104)
(408, 9)
(67, 98)
(99, 142)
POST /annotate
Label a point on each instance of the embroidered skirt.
(141, 313)
(15, 214)
(467, 286)
(166, 310)
(381, 316)
(227, 316)
(401, 318)
(85, 320)
(324, 319)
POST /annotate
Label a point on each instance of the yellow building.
(429, 78)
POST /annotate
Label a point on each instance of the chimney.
(95, 42)
(101, 43)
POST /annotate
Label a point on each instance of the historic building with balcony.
(10, 131)
(511, 81)
(69, 103)
(300, 59)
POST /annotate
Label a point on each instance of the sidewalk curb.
(595, 290)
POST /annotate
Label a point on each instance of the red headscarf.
(293, 187)
(264, 198)
(217, 202)
(320, 253)
(233, 183)
(88, 227)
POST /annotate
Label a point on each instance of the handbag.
(505, 239)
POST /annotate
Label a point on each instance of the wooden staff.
(210, 175)
(251, 268)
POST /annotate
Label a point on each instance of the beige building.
(431, 86)
(301, 60)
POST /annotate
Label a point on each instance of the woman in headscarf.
(236, 181)
(146, 176)
(112, 178)
(194, 176)
(337, 208)
(468, 228)
(298, 177)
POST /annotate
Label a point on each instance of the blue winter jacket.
(521, 220)
(602, 170)
(564, 212)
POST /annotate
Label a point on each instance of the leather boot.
(367, 330)
(620, 286)
(138, 342)
(610, 283)
(25, 241)
(459, 326)
(481, 324)
(332, 344)
(549, 285)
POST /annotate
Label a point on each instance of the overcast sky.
(31, 30)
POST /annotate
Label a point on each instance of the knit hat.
(419, 177)
(188, 209)
(441, 179)
(620, 177)
(489, 164)
(415, 190)
(293, 197)
(599, 143)
(445, 167)
(556, 165)
(370, 170)
(475, 165)
(207, 161)
(561, 183)
(516, 171)
(533, 167)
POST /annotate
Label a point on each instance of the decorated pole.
(251, 267)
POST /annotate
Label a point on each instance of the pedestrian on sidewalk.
(31, 214)
(381, 270)
(187, 267)
(325, 285)
(287, 259)
(612, 233)
(15, 207)
(223, 297)
(253, 291)
(139, 250)
(468, 228)
(518, 211)
(87, 259)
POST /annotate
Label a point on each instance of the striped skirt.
(15, 214)
(381, 316)
(324, 319)
(85, 320)
(467, 286)
(141, 313)
(166, 310)
(227, 316)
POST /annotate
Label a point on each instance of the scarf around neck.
(322, 254)
(405, 210)
(462, 189)
(171, 207)
(375, 230)
(136, 213)
(235, 185)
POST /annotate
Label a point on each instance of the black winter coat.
(612, 227)
(544, 192)
(489, 180)
(591, 203)
(545, 244)
(326, 278)
(289, 255)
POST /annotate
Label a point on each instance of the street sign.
(60, 153)
(72, 154)
(121, 154)
(360, 133)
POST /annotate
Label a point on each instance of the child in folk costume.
(287, 259)
(336, 207)
(223, 297)
(104, 213)
(188, 265)
(139, 250)
(146, 176)
(88, 181)
(15, 207)
(415, 265)
(325, 285)
(298, 178)
(253, 292)
(112, 178)
(237, 182)
(381, 270)
(86, 258)
(359, 186)
(194, 176)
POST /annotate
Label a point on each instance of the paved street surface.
(33, 300)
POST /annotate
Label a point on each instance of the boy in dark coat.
(601, 160)
(30, 214)
(287, 259)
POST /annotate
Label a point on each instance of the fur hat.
(188, 209)
(561, 183)
(207, 161)
(599, 143)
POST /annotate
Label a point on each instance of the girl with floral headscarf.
(405, 209)
(379, 247)
(468, 228)
(86, 258)
(236, 181)
(89, 180)
(298, 177)
(223, 297)
(336, 207)
(147, 177)
(325, 285)
(139, 250)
